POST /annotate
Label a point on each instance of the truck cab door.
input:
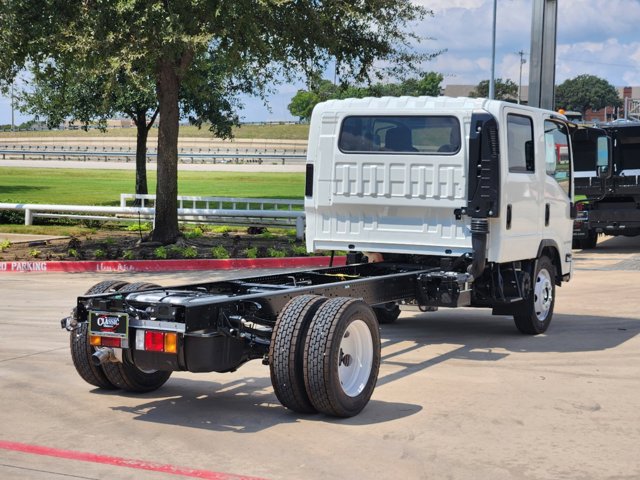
(558, 188)
(522, 191)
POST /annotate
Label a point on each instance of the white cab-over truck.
(438, 202)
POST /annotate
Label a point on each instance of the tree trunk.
(166, 225)
(141, 154)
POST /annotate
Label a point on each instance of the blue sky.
(599, 37)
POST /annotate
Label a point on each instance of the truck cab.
(408, 176)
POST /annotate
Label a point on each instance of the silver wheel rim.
(356, 358)
(542, 295)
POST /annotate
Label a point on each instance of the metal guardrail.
(184, 156)
(254, 213)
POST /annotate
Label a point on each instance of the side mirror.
(604, 161)
(573, 211)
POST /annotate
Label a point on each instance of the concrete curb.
(168, 265)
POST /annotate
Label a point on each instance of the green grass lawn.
(274, 132)
(103, 187)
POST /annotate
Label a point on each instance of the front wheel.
(536, 312)
(591, 241)
(342, 357)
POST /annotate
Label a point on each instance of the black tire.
(106, 287)
(591, 241)
(286, 352)
(387, 312)
(81, 351)
(125, 374)
(130, 378)
(342, 393)
(136, 286)
(536, 312)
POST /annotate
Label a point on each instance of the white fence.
(262, 212)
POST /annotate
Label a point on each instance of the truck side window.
(400, 134)
(556, 144)
(520, 151)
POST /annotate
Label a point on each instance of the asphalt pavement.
(460, 395)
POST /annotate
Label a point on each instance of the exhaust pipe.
(479, 232)
(103, 355)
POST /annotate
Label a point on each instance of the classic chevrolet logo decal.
(108, 322)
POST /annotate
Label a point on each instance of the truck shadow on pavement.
(248, 404)
(480, 336)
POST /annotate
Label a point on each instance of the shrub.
(35, 253)
(72, 252)
(160, 253)
(190, 252)
(139, 227)
(11, 217)
(251, 252)
(219, 252)
(128, 255)
(195, 233)
(276, 253)
(99, 254)
(4, 245)
(221, 229)
(299, 250)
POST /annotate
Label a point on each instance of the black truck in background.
(611, 203)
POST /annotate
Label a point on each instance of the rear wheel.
(82, 351)
(342, 357)
(134, 287)
(125, 374)
(535, 315)
(286, 362)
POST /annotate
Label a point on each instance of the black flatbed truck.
(611, 204)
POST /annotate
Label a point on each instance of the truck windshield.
(400, 134)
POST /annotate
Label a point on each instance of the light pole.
(522, 62)
(13, 125)
(492, 82)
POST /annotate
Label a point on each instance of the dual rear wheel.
(325, 355)
(112, 375)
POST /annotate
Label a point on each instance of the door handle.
(547, 214)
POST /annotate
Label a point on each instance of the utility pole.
(522, 62)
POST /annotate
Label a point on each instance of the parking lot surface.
(460, 395)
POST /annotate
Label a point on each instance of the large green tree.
(586, 92)
(60, 92)
(503, 90)
(248, 42)
(303, 101)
